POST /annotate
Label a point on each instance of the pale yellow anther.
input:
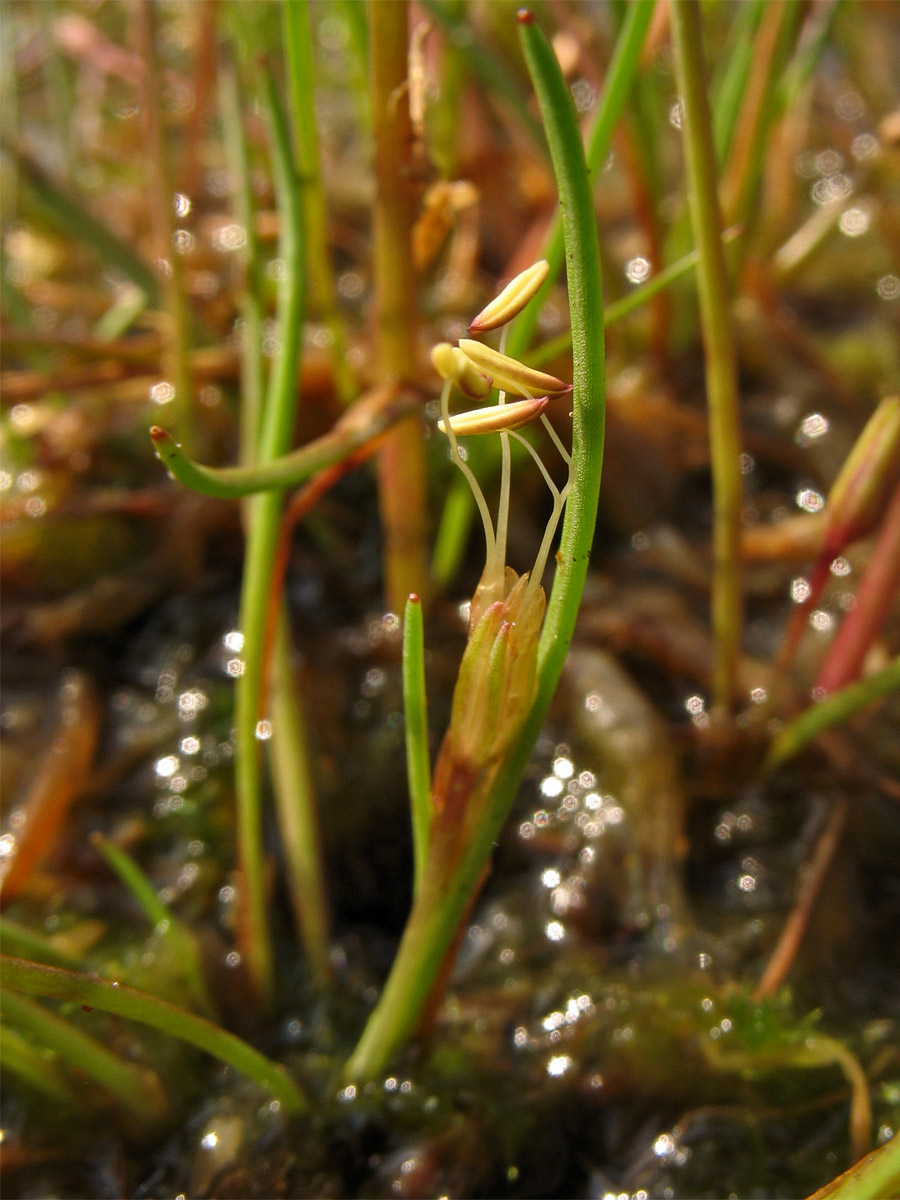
(510, 374)
(497, 418)
(451, 364)
(517, 293)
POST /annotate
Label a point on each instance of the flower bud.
(497, 677)
(510, 374)
(496, 418)
(512, 299)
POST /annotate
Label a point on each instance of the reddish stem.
(875, 596)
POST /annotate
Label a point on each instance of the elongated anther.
(450, 363)
(514, 297)
(510, 374)
(497, 418)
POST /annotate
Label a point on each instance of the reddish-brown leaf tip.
(525, 16)
(157, 433)
(414, 599)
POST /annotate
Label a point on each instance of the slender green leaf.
(136, 1089)
(179, 937)
(109, 996)
(719, 345)
(825, 714)
(415, 713)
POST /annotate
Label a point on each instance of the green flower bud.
(497, 677)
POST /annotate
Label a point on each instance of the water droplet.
(864, 146)
(584, 95)
(854, 222)
(162, 392)
(829, 162)
(230, 237)
(167, 766)
(799, 589)
(638, 269)
(811, 427)
(24, 417)
(831, 188)
(563, 768)
(810, 500)
(183, 241)
(350, 285)
(849, 105)
(664, 1146)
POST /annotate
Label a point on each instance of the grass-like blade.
(109, 996)
(415, 713)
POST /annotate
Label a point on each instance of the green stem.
(832, 711)
(181, 940)
(718, 340)
(136, 1089)
(263, 517)
(295, 799)
(286, 470)
(728, 87)
(109, 996)
(160, 203)
(441, 904)
(322, 290)
(620, 76)
(401, 463)
(21, 941)
(32, 1065)
(742, 174)
(252, 361)
(418, 767)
